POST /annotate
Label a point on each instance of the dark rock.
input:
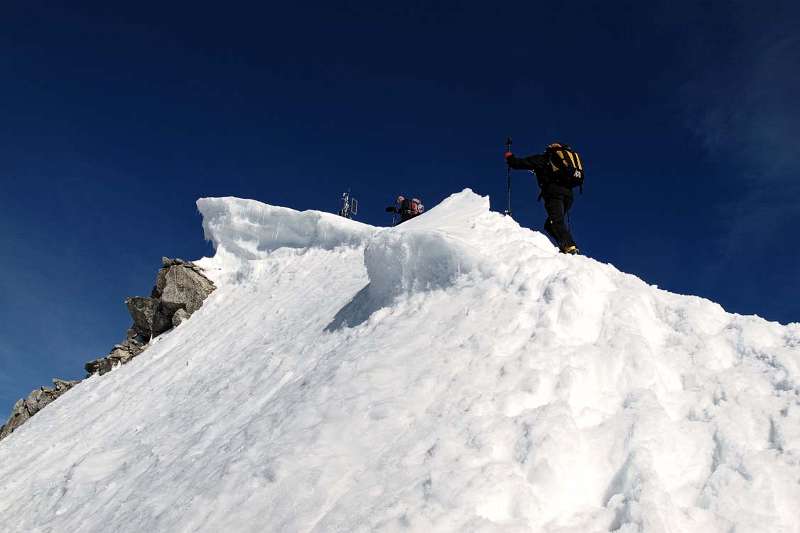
(161, 282)
(136, 336)
(35, 402)
(180, 316)
(120, 354)
(166, 262)
(162, 322)
(142, 311)
(100, 366)
(183, 286)
(179, 285)
(167, 265)
(180, 290)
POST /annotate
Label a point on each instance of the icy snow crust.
(451, 374)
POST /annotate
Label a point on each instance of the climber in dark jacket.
(407, 208)
(556, 193)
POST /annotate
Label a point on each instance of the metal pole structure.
(508, 178)
(345, 210)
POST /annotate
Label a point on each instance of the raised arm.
(532, 162)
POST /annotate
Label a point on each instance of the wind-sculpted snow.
(454, 373)
(251, 229)
(422, 254)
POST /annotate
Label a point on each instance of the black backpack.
(566, 165)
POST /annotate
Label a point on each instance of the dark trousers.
(557, 202)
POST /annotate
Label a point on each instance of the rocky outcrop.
(120, 354)
(35, 402)
(146, 321)
(180, 289)
(181, 285)
(180, 316)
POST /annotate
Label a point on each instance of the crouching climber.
(406, 208)
(558, 170)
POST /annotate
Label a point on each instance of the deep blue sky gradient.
(114, 120)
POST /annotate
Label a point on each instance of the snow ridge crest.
(426, 253)
(453, 373)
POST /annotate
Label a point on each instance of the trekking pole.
(394, 214)
(508, 177)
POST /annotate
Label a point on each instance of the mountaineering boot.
(571, 249)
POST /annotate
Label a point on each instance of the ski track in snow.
(454, 373)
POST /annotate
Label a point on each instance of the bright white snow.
(454, 373)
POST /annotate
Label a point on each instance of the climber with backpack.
(406, 208)
(558, 170)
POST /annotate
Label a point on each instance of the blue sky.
(116, 119)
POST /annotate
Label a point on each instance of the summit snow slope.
(454, 373)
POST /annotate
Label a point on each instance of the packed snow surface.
(454, 373)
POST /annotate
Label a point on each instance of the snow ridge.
(454, 373)
(251, 229)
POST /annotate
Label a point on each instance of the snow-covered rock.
(454, 373)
